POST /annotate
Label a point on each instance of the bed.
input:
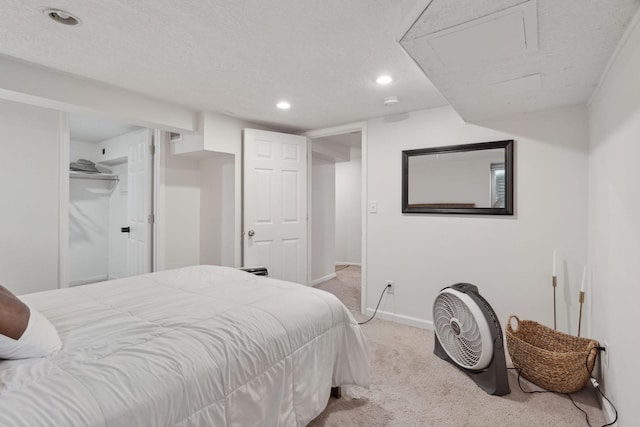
(197, 346)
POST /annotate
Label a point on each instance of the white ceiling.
(242, 57)
(503, 57)
(234, 57)
(351, 139)
(87, 128)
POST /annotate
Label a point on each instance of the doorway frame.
(339, 130)
(64, 144)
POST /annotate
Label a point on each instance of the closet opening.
(336, 234)
(110, 200)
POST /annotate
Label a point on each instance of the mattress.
(197, 346)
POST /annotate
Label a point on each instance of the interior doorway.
(337, 208)
(275, 203)
(110, 200)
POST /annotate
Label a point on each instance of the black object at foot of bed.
(336, 392)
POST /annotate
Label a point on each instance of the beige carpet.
(346, 285)
(410, 386)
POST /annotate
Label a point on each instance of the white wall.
(223, 134)
(323, 211)
(36, 85)
(218, 160)
(116, 150)
(508, 258)
(88, 230)
(200, 198)
(82, 150)
(614, 223)
(88, 221)
(29, 185)
(218, 210)
(349, 209)
(178, 210)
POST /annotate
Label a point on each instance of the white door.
(140, 220)
(275, 204)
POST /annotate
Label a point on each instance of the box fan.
(468, 335)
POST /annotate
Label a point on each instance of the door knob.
(251, 233)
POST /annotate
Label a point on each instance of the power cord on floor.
(597, 386)
(593, 382)
(376, 310)
(586, 416)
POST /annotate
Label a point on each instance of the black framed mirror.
(459, 179)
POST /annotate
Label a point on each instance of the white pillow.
(40, 339)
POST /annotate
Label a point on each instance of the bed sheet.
(197, 346)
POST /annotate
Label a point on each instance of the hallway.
(346, 286)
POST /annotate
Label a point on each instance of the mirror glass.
(466, 179)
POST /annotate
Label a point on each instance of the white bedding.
(198, 346)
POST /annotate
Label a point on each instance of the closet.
(110, 200)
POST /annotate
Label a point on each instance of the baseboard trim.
(357, 264)
(323, 279)
(401, 319)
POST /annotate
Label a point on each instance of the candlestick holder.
(580, 315)
(554, 283)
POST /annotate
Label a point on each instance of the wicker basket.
(548, 358)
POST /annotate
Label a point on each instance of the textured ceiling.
(575, 39)
(242, 57)
(234, 57)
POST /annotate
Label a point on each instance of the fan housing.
(468, 335)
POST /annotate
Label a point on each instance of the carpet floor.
(410, 386)
(346, 286)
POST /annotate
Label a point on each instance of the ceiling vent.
(508, 33)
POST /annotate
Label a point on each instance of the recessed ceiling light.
(283, 105)
(384, 80)
(62, 17)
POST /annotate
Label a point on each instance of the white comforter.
(198, 346)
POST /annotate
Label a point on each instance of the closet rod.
(103, 177)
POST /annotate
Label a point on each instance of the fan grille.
(458, 330)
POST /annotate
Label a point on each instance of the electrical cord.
(597, 386)
(593, 382)
(586, 416)
(376, 310)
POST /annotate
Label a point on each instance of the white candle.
(553, 273)
(584, 278)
